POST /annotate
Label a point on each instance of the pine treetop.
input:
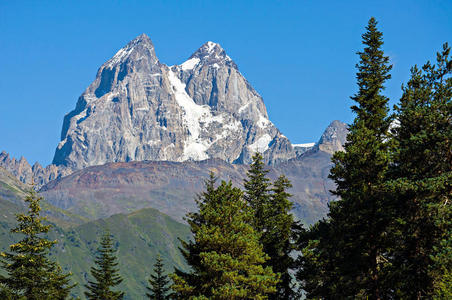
(373, 71)
(106, 274)
(354, 244)
(158, 281)
(257, 188)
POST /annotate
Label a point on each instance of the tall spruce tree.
(257, 192)
(351, 246)
(158, 289)
(31, 275)
(273, 221)
(279, 239)
(422, 182)
(106, 274)
(225, 255)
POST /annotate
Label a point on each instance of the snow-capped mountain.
(140, 109)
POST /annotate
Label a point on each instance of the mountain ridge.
(140, 109)
(39, 176)
(170, 187)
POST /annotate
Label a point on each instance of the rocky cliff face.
(140, 109)
(333, 138)
(35, 174)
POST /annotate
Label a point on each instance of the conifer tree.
(158, 282)
(422, 182)
(106, 274)
(190, 250)
(31, 275)
(352, 247)
(225, 255)
(257, 191)
(273, 221)
(314, 264)
(280, 236)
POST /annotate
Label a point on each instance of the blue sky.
(299, 55)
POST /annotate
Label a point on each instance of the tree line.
(388, 236)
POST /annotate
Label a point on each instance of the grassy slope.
(139, 236)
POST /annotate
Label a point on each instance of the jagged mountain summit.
(333, 138)
(140, 109)
(36, 174)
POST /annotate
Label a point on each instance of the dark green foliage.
(280, 236)
(273, 221)
(422, 182)
(158, 282)
(349, 250)
(5, 293)
(106, 274)
(31, 275)
(390, 235)
(225, 256)
(257, 191)
(314, 267)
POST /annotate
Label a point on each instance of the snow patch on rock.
(305, 145)
(194, 147)
(210, 46)
(261, 145)
(190, 64)
(263, 122)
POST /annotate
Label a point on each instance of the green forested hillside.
(139, 237)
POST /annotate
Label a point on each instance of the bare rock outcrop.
(36, 174)
(140, 109)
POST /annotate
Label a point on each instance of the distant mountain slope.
(11, 188)
(140, 236)
(170, 187)
(13, 191)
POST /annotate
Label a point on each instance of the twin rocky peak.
(138, 109)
